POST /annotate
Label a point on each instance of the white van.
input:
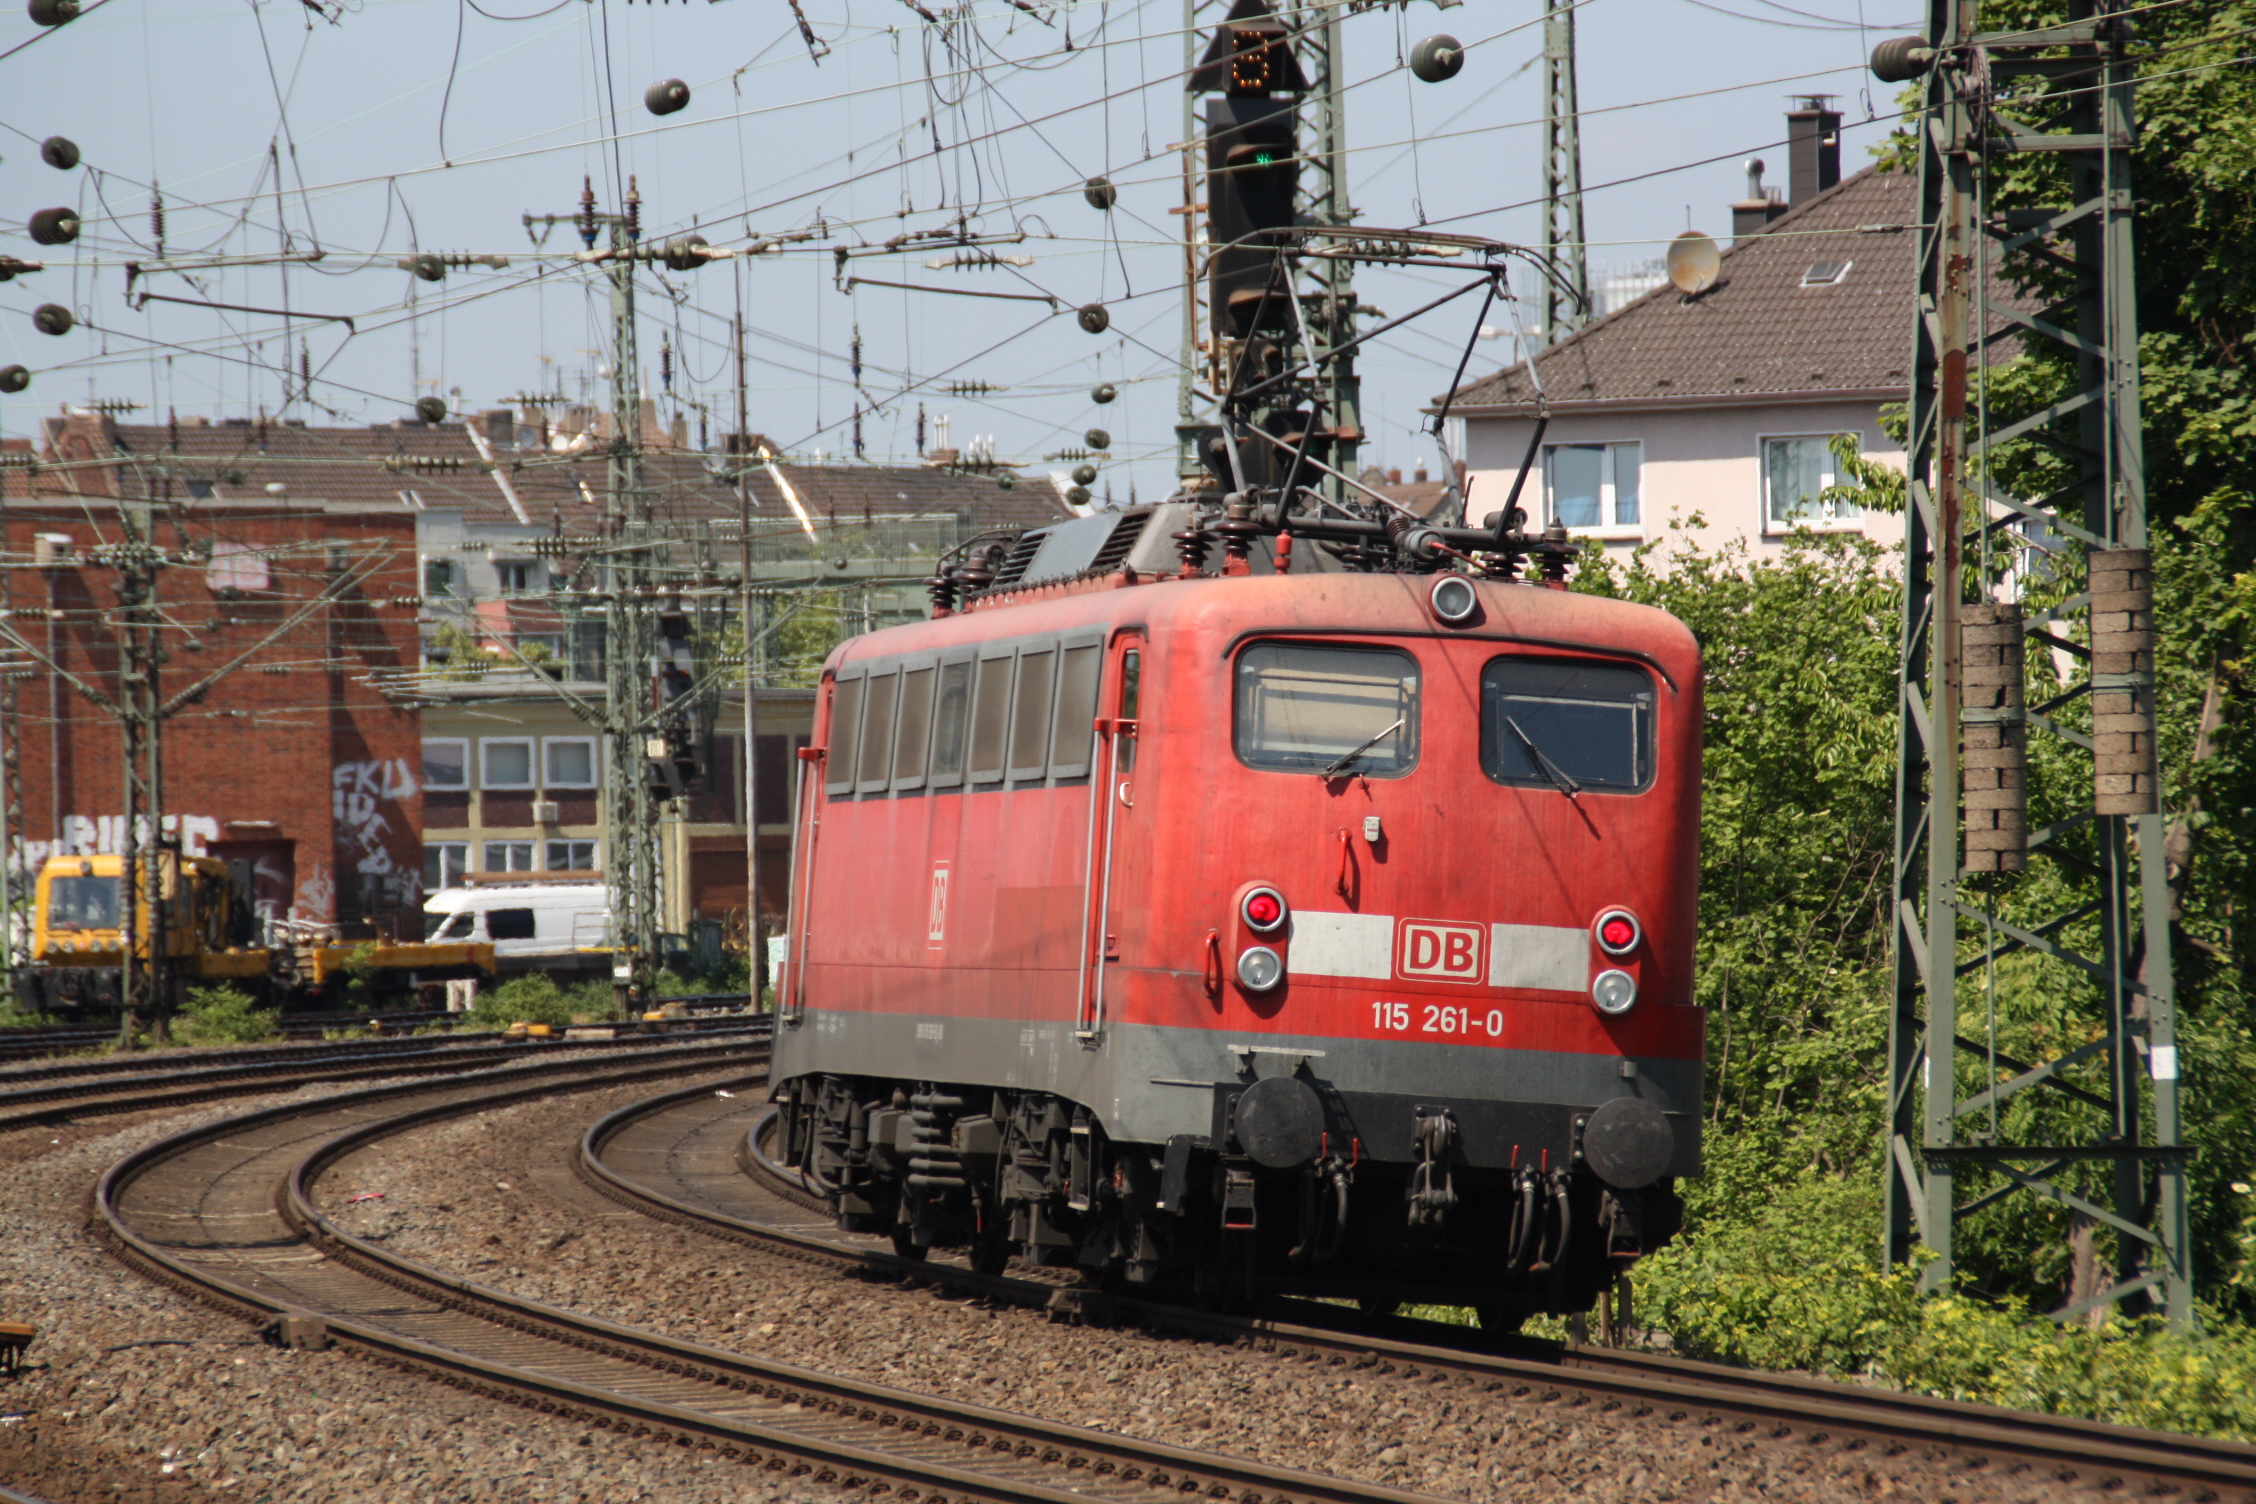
(527, 923)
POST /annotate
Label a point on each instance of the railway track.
(684, 1157)
(227, 1212)
(186, 1080)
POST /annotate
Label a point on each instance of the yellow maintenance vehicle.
(212, 938)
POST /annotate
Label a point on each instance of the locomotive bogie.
(1271, 933)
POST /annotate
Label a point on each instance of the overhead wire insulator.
(855, 355)
(1078, 495)
(634, 211)
(1100, 193)
(974, 388)
(53, 12)
(587, 211)
(52, 318)
(1097, 438)
(857, 430)
(681, 253)
(920, 428)
(55, 226)
(1438, 58)
(157, 220)
(59, 152)
(666, 96)
(1093, 318)
(14, 379)
(1084, 474)
(666, 361)
(431, 409)
(429, 267)
(1103, 392)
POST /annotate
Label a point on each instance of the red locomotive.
(1322, 932)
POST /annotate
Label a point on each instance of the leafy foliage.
(223, 1015)
(535, 998)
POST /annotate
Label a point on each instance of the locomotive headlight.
(1260, 968)
(1618, 932)
(1454, 600)
(1264, 911)
(1613, 992)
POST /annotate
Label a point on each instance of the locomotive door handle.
(1211, 967)
(1346, 881)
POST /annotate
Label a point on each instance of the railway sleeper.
(1006, 1173)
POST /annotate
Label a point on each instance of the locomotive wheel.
(905, 1245)
(991, 1253)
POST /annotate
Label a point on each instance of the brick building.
(292, 759)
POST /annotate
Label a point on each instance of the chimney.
(1418, 476)
(501, 427)
(1753, 214)
(1813, 146)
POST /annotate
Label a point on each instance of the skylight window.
(1825, 273)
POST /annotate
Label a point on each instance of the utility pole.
(1334, 325)
(1562, 177)
(630, 856)
(1963, 725)
(145, 971)
(752, 933)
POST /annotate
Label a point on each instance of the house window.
(1825, 273)
(1594, 487)
(518, 575)
(568, 762)
(1796, 472)
(444, 863)
(571, 856)
(509, 856)
(438, 578)
(506, 762)
(446, 763)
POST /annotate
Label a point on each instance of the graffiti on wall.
(365, 797)
(104, 835)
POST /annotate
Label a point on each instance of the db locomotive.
(1255, 925)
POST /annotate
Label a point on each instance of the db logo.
(1434, 950)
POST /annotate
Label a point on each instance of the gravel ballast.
(493, 1198)
(133, 1393)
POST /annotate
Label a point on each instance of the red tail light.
(1263, 910)
(1618, 932)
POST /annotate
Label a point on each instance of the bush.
(534, 998)
(223, 1015)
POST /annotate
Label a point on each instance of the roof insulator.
(666, 96)
(52, 318)
(59, 152)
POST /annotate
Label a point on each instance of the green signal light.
(1265, 158)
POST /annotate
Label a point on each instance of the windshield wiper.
(1566, 785)
(1339, 764)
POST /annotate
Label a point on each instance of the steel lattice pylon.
(1961, 719)
(1563, 305)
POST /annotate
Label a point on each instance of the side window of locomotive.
(1329, 710)
(990, 716)
(1074, 730)
(916, 724)
(1546, 722)
(845, 736)
(951, 721)
(1030, 720)
(877, 730)
(1131, 703)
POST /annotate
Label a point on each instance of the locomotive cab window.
(951, 719)
(1550, 723)
(845, 735)
(916, 723)
(1330, 710)
(877, 731)
(83, 903)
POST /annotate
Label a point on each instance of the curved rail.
(1641, 1383)
(255, 1240)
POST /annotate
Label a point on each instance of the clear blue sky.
(388, 141)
